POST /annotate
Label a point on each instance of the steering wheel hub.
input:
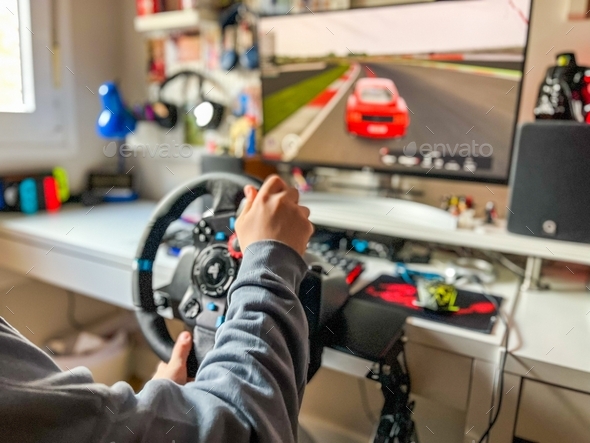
(214, 270)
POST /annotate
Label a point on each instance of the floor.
(339, 408)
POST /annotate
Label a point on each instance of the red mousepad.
(475, 312)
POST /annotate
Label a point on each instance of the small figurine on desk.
(462, 207)
(242, 135)
(457, 204)
(491, 213)
(300, 182)
(436, 295)
(564, 93)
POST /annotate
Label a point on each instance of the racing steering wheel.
(197, 293)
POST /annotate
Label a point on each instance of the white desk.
(91, 251)
(547, 377)
(552, 333)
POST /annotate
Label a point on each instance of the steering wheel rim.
(227, 191)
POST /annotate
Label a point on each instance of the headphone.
(208, 114)
(239, 15)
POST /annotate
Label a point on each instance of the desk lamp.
(114, 122)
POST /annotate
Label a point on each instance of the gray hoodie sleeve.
(248, 388)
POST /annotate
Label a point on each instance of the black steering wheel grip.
(227, 192)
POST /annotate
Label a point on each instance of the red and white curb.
(284, 142)
(325, 104)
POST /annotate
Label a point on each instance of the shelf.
(173, 20)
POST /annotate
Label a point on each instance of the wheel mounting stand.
(395, 424)
(532, 275)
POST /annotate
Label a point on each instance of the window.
(36, 118)
(17, 93)
(376, 95)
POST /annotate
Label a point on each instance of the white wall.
(134, 60)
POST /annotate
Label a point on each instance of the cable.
(365, 401)
(492, 300)
(508, 264)
(71, 312)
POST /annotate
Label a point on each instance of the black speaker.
(550, 181)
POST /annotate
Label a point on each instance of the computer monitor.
(427, 89)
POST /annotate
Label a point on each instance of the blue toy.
(408, 275)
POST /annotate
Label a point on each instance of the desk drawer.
(549, 414)
(108, 282)
(440, 376)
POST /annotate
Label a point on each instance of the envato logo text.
(465, 150)
(164, 150)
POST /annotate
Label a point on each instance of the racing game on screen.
(429, 88)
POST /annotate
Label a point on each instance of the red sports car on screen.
(376, 110)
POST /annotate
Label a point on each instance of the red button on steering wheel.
(234, 247)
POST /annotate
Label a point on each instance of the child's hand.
(175, 369)
(273, 213)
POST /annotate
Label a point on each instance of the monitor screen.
(428, 88)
